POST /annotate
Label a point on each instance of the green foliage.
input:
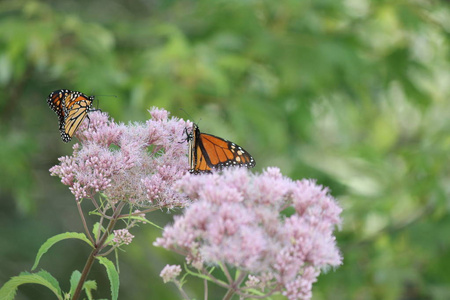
(113, 276)
(9, 289)
(352, 93)
(96, 230)
(57, 238)
(88, 286)
(141, 219)
(74, 279)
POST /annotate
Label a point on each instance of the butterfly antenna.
(98, 100)
(115, 96)
(189, 116)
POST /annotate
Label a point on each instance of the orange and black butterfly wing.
(56, 102)
(77, 105)
(195, 161)
(211, 152)
(71, 108)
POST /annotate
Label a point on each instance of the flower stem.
(87, 268)
(96, 250)
(234, 286)
(80, 211)
(205, 283)
(140, 212)
(180, 288)
(229, 294)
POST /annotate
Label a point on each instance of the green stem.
(229, 294)
(84, 274)
(96, 250)
(140, 212)
(80, 211)
(234, 286)
(180, 288)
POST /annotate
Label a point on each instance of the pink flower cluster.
(170, 272)
(122, 236)
(240, 219)
(137, 163)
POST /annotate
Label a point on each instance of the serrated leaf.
(9, 289)
(74, 279)
(109, 239)
(88, 286)
(112, 275)
(59, 237)
(95, 231)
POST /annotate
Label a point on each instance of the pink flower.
(170, 273)
(122, 236)
(137, 163)
(235, 219)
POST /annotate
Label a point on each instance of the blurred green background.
(355, 93)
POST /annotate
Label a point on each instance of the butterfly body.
(207, 152)
(71, 107)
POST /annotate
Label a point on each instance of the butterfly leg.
(89, 120)
(188, 136)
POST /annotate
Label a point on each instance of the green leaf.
(116, 254)
(59, 237)
(9, 289)
(144, 220)
(95, 231)
(74, 279)
(255, 292)
(200, 275)
(88, 287)
(109, 239)
(112, 275)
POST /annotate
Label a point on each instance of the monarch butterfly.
(71, 107)
(207, 151)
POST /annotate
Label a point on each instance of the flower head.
(170, 272)
(122, 236)
(137, 163)
(235, 219)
